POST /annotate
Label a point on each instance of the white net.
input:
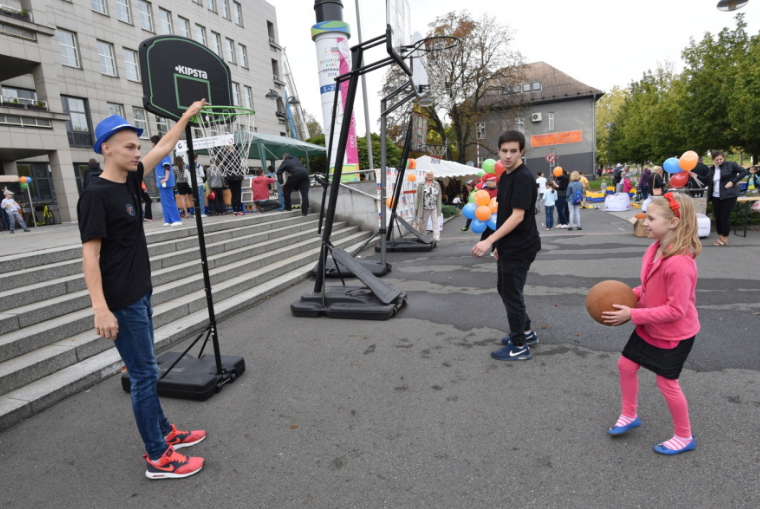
(226, 134)
(436, 152)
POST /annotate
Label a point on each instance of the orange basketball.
(603, 295)
(640, 215)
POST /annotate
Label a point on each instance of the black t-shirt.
(110, 211)
(518, 190)
(655, 182)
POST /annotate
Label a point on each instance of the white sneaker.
(167, 224)
(177, 224)
(204, 215)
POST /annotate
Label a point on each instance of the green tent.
(269, 147)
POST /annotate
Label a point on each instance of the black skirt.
(667, 363)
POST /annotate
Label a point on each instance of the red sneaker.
(179, 439)
(172, 465)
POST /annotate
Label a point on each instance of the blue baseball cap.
(110, 126)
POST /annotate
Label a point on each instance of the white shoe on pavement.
(167, 224)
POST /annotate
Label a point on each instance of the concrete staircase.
(48, 347)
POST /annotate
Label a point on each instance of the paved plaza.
(413, 413)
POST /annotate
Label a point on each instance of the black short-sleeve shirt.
(517, 190)
(110, 211)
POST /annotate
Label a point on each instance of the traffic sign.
(551, 157)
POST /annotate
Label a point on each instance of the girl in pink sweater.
(666, 318)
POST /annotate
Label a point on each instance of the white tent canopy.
(445, 168)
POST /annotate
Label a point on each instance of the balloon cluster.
(25, 181)
(490, 167)
(680, 168)
(482, 210)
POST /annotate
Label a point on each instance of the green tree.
(393, 153)
(607, 109)
(745, 101)
(315, 128)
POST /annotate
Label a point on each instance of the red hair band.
(674, 206)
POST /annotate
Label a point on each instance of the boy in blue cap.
(117, 274)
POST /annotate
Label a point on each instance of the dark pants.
(467, 224)
(218, 202)
(722, 210)
(267, 205)
(512, 273)
(4, 217)
(298, 181)
(561, 209)
(148, 202)
(235, 189)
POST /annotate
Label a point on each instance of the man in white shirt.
(541, 182)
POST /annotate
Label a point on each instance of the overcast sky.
(602, 43)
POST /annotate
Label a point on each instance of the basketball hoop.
(434, 47)
(227, 133)
(436, 152)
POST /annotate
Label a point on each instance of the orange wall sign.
(544, 140)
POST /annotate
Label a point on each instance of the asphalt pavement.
(413, 413)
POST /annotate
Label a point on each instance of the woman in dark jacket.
(561, 182)
(723, 189)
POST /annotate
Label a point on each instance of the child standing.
(11, 207)
(550, 198)
(666, 317)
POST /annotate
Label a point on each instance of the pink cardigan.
(667, 299)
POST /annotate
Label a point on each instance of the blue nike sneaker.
(530, 339)
(512, 353)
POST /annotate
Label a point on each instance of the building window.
(67, 44)
(80, 169)
(162, 126)
(146, 15)
(237, 13)
(270, 31)
(247, 97)
(520, 124)
(526, 87)
(105, 55)
(115, 109)
(98, 6)
(235, 94)
(123, 13)
(131, 64)
(197, 2)
(78, 125)
(15, 31)
(216, 43)
(229, 50)
(183, 27)
(200, 34)
(225, 8)
(535, 86)
(551, 121)
(140, 120)
(211, 5)
(164, 22)
(41, 188)
(480, 131)
(276, 70)
(243, 55)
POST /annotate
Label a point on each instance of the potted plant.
(38, 105)
(12, 102)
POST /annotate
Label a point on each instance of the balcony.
(273, 45)
(278, 80)
(23, 103)
(14, 12)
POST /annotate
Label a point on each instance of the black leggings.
(235, 189)
(722, 210)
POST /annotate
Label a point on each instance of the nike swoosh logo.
(513, 354)
(168, 468)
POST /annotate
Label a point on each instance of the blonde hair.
(685, 239)
(575, 176)
(657, 169)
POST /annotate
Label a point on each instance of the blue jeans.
(561, 204)
(13, 217)
(169, 205)
(135, 345)
(549, 216)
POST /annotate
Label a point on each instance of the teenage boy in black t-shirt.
(117, 273)
(516, 242)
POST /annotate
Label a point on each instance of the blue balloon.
(492, 222)
(28, 180)
(671, 165)
(478, 226)
(468, 210)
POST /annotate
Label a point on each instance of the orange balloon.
(482, 198)
(688, 160)
(492, 202)
(389, 202)
(412, 177)
(558, 171)
(411, 164)
(483, 212)
(494, 208)
(22, 180)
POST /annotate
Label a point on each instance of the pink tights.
(670, 389)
